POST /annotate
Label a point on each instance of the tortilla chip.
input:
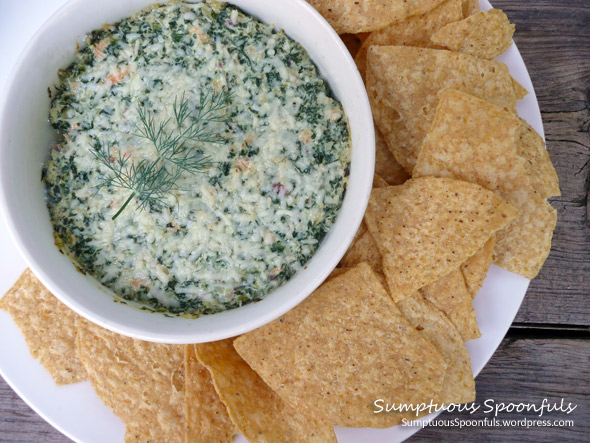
(470, 7)
(458, 384)
(524, 246)
(49, 328)
(413, 31)
(258, 412)
(353, 43)
(363, 247)
(336, 272)
(206, 416)
(363, 250)
(519, 90)
(485, 35)
(339, 271)
(531, 147)
(142, 382)
(361, 230)
(404, 85)
(378, 182)
(354, 16)
(476, 267)
(386, 165)
(333, 359)
(475, 141)
(450, 295)
(427, 227)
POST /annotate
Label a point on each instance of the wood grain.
(19, 423)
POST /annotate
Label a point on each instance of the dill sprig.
(151, 181)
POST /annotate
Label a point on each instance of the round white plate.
(76, 411)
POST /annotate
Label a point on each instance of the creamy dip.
(276, 168)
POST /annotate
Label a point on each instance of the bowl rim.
(262, 316)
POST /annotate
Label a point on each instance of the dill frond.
(151, 181)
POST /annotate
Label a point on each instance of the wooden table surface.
(546, 353)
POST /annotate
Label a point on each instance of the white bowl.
(25, 138)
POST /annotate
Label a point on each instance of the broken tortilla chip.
(361, 230)
(476, 141)
(142, 382)
(353, 43)
(258, 412)
(332, 359)
(413, 31)
(427, 227)
(519, 90)
(378, 182)
(49, 328)
(404, 85)
(475, 269)
(485, 35)
(524, 246)
(531, 147)
(363, 250)
(339, 271)
(458, 385)
(205, 414)
(363, 247)
(386, 166)
(336, 272)
(450, 295)
(354, 16)
(470, 7)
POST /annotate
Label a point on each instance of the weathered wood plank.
(554, 39)
(528, 371)
(19, 423)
